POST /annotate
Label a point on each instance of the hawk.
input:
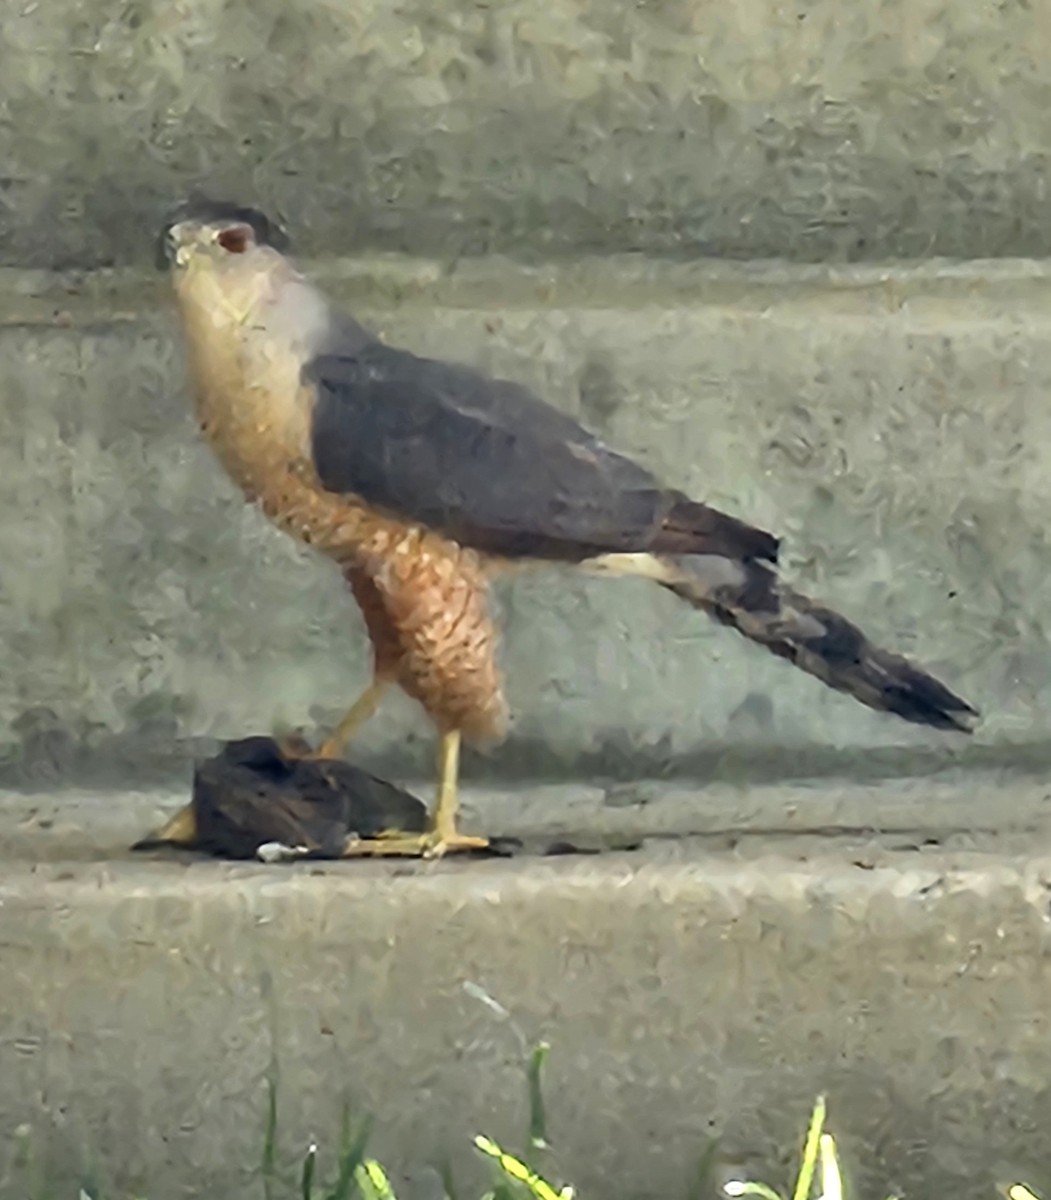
(424, 480)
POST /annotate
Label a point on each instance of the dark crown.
(200, 208)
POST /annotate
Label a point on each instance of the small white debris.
(275, 852)
(477, 992)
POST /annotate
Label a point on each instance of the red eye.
(234, 240)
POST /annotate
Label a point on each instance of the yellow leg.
(359, 712)
(336, 743)
(447, 802)
(442, 837)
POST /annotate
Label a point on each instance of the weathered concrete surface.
(696, 987)
(892, 424)
(975, 810)
(757, 128)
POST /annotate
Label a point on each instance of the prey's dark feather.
(250, 794)
(490, 464)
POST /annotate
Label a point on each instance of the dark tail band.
(749, 597)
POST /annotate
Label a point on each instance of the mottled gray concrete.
(883, 939)
(892, 424)
(967, 809)
(757, 128)
(687, 989)
(823, 899)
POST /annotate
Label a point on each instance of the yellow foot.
(414, 845)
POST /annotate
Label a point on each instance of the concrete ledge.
(533, 127)
(978, 810)
(885, 942)
(933, 289)
(686, 990)
(890, 422)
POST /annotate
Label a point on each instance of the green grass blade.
(701, 1180)
(350, 1159)
(269, 1165)
(537, 1118)
(372, 1181)
(306, 1178)
(805, 1182)
(519, 1173)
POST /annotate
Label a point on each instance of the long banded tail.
(747, 595)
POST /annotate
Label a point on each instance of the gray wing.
(489, 464)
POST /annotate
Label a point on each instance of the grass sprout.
(360, 1177)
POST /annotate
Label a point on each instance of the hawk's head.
(214, 227)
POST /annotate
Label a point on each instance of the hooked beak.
(173, 243)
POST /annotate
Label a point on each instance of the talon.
(390, 844)
(453, 843)
(442, 837)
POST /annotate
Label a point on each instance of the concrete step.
(533, 127)
(699, 986)
(983, 811)
(890, 422)
(845, 905)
